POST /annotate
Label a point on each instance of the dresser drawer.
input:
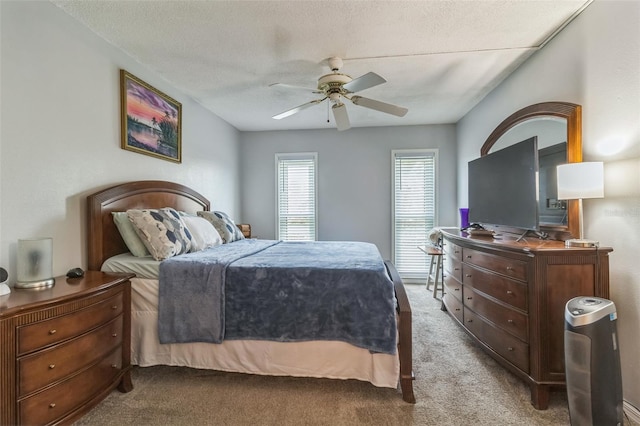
(502, 288)
(54, 330)
(453, 267)
(51, 404)
(49, 365)
(506, 345)
(453, 305)
(510, 267)
(452, 250)
(452, 287)
(511, 321)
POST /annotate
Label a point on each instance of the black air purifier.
(592, 362)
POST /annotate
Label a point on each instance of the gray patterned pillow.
(162, 231)
(224, 225)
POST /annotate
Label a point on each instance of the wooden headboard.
(104, 238)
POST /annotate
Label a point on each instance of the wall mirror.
(558, 126)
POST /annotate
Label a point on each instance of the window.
(296, 197)
(414, 209)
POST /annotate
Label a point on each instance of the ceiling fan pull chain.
(328, 112)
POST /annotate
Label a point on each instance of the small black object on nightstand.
(75, 273)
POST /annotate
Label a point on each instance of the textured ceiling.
(440, 58)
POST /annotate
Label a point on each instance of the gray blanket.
(280, 291)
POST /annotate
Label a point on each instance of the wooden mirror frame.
(573, 114)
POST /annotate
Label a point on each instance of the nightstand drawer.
(51, 404)
(45, 333)
(52, 364)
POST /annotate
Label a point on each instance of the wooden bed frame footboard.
(105, 241)
(405, 335)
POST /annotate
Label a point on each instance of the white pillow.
(203, 234)
(162, 231)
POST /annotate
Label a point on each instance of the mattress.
(321, 359)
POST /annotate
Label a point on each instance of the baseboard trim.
(632, 412)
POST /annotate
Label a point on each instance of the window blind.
(414, 210)
(296, 192)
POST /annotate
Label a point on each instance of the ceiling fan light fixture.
(336, 85)
(341, 116)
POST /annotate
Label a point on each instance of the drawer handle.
(509, 268)
(114, 335)
(510, 349)
(457, 309)
(456, 289)
(469, 320)
(114, 366)
(114, 307)
(509, 292)
(52, 405)
(468, 256)
(510, 321)
(456, 251)
(469, 298)
(467, 275)
(52, 366)
(52, 332)
(456, 269)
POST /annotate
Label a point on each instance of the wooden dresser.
(63, 349)
(510, 297)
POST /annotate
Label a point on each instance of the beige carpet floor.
(456, 384)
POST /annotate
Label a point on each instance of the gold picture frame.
(151, 120)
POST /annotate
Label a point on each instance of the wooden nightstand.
(245, 228)
(64, 348)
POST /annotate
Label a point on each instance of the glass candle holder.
(35, 263)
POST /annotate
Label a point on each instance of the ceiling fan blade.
(366, 81)
(341, 116)
(294, 87)
(299, 108)
(379, 106)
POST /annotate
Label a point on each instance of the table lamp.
(577, 181)
(35, 263)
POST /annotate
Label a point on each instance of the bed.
(335, 359)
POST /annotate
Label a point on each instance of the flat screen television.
(503, 187)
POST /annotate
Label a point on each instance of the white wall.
(354, 178)
(60, 136)
(594, 62)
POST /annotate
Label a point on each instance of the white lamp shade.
(580, 180)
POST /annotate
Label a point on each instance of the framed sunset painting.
(151, 120)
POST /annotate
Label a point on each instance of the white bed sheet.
(328, 359)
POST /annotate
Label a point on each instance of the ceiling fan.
(336, 86)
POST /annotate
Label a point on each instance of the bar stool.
(436, 261)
